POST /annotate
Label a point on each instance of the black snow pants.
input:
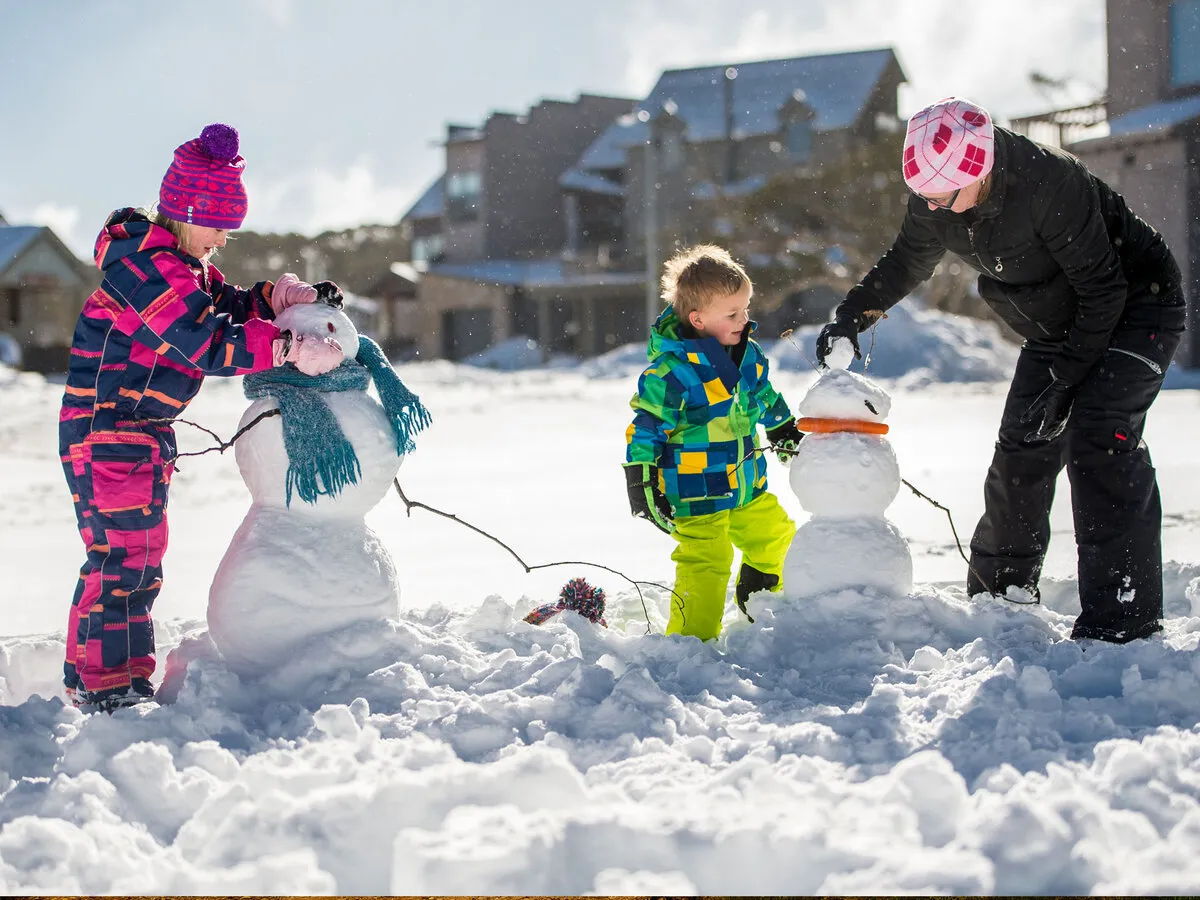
(1114, 489)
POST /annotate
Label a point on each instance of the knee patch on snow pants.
(118, 481)
(703, 560)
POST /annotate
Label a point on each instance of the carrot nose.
(826, 425)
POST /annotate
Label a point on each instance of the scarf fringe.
(407, 414)
(326, 472)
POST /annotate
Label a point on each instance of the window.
(1185, 43)
(10, 301)
(428, 249)
(671, 150)
(462, 196)
(799, 141)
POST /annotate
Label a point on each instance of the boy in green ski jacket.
(691, 464)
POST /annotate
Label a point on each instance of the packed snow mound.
(517, 354)
(839, 394)
(922, 345)
(845, 475)
(508, 356)
(620, 362)
(925, 345)
(934, 745)
(10, 352)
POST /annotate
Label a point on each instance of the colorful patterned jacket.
(696, 413)
(159, 322)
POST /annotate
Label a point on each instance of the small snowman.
(845, 474)
(303, 563)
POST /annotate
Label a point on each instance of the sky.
(870, 741)
(341, 105)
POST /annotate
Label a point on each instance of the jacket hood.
(665, 338)
(126, 232)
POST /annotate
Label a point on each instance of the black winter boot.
(749, 581)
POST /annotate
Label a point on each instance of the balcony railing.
(1061, 127)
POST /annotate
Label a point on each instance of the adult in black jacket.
(1097, 296)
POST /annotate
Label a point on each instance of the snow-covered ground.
(857, 743)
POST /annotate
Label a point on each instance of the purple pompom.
(220, 142)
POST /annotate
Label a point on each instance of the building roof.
(1156, 117)
(1157, 120)
(14, 239)
(835, 86)
(531, 273)
(429, 204)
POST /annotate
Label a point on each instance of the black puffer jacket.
(1061, 257)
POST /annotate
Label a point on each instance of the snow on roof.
(530, 273)
(836, 86)
(1156, 117)
(14, 239)
(707, 190)
(429, 204)
(577, 180)
(404, 270)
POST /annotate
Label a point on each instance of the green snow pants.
(703, 560)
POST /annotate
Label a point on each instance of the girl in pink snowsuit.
(161, 320)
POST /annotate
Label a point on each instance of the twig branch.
(417, 504)
(961, 552)
(222, 446)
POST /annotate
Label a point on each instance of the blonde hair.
(162, 220)
(696, 276)
(181, 230)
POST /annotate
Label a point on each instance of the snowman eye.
(329, 325)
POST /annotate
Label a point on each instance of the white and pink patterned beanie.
(948, 145)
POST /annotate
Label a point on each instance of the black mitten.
(646, 501)
(785, 439)
(1049, 411)
(329, 294)
(843, 326)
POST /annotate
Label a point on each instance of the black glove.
(842, 326)
(1049, 411)
(646, 501)
(785, 439)
(329, 294)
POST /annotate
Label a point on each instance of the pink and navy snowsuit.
(159, 322)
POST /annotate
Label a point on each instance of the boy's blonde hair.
(696, 276)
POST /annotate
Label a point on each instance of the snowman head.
(320, 320)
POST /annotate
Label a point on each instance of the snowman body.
(846, 480)
(294, 572)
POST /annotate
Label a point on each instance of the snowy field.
(861, 743)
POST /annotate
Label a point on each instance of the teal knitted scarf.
(320, 458)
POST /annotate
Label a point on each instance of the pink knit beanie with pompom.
(203, 185)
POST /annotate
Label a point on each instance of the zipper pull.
(999, 265)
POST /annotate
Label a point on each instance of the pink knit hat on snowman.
(203, 185)
(948, 145)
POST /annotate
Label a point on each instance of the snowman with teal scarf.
(303, 563)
